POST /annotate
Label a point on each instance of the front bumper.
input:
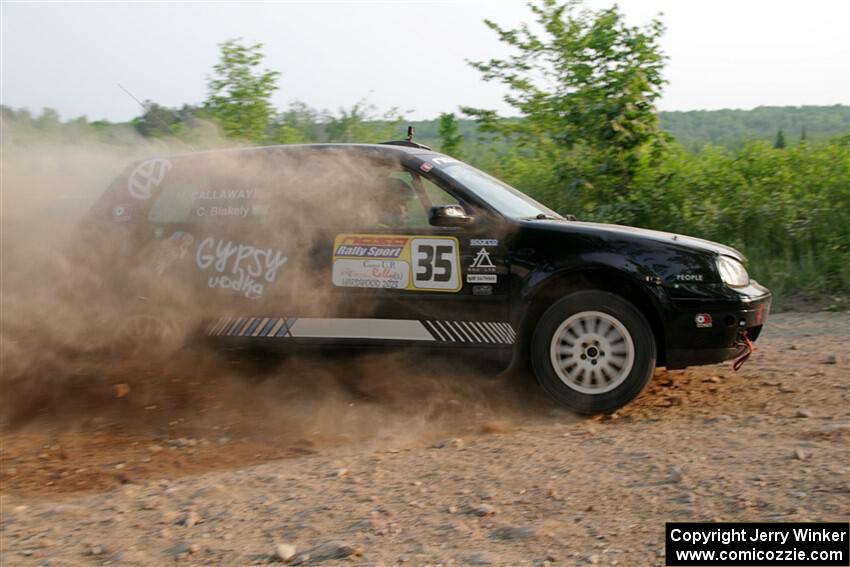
(694, 339)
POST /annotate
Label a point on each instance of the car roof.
(387, 149)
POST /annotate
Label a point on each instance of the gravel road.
(452, 469)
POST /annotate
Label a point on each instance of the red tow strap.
(743, 358)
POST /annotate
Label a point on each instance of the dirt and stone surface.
(380, 461)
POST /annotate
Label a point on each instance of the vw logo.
(146, 177)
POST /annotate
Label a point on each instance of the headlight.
(732, 272)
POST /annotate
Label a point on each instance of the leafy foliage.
(159, 121)
(780, 139)
(295, 126)
(239, 94)
(584, 85)
(362, 123)
(448, 130)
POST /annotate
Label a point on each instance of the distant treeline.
(728, 128)
(694, 129)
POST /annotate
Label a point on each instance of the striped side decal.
(233, 326)
(445, 331)
(249, 327)
(483, 330)
(465, 335)
(452, 337)
(435, 331)
(499, 331)
(489, 332)
(260, 326)
(286, 328)
(264, 332)
(217, 326)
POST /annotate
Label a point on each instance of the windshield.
(501, 196)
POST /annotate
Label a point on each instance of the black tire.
(610, 383)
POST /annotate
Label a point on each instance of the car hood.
(630, 232)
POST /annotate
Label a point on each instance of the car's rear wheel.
(146, 333)
(593, 351)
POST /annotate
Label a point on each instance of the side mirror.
(448, 215)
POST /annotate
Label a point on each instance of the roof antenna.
(411, 131)
(145, 107)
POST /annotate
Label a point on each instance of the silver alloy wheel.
(592, 352)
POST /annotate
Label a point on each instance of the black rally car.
(396, 245)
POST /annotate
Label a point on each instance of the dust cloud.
(72, 295)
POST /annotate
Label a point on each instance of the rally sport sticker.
(414, 263)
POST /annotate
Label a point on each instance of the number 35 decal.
(435, 264)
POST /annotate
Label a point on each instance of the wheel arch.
(601, 278)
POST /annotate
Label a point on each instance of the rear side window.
(197, 191)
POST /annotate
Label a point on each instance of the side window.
(386, 198)
(430, 195)
(437, 196)
(414, 205)
(398, 204)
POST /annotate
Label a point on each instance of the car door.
(389, 276)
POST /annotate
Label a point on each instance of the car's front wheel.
(593, 351)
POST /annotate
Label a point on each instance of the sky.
(399, 54)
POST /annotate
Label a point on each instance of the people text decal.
(147, 176)
(396, 262)
(688, 277)
(242, 268)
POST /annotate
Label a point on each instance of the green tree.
(297, 125)
(156, 121)
(239, 93)
(362, 123)
(780, 140)
(448, 130)
(585, 86)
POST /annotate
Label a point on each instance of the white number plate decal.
(435, 263)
